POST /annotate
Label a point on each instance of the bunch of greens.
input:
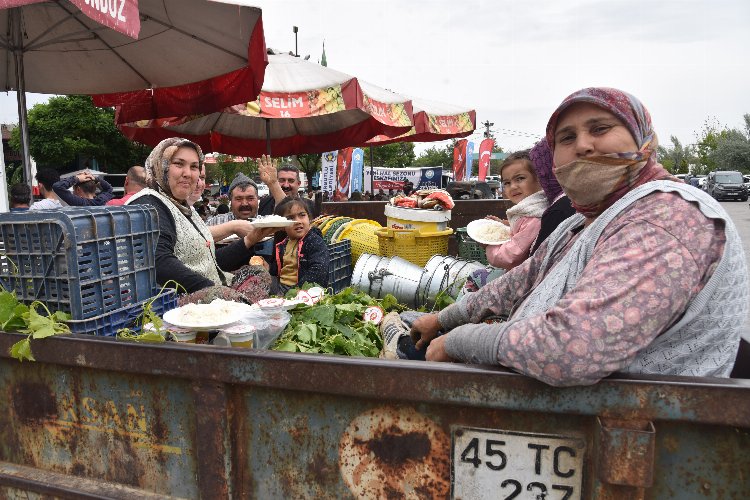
(15, 316)
(156, 333)
(335, 325)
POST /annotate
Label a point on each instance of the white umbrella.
(303, 108)
(190, 56)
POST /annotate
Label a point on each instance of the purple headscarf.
(541, 158)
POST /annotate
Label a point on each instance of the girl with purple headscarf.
(559, 204)
(648, 277)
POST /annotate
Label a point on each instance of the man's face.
(289, 182)
(244, 203)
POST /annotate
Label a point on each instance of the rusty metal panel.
(132, 430)
(197, 421)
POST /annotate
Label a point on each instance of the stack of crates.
(95, 263)
(340, 265)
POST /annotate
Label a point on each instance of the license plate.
(488, 463)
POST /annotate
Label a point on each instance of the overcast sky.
(514, 61)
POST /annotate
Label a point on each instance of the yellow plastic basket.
(361, 232)
(411, 244)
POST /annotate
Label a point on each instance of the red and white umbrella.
(434, 121)
(191, 56)
(303, 108)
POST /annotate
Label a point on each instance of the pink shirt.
(522, 236)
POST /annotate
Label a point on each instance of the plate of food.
(488, 232)
(271, 221)
(202, 317)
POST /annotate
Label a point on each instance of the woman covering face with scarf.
(648, 277)
(185, 252)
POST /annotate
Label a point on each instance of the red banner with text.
(485, 154)
(459, 160)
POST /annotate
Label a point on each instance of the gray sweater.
(701, 342)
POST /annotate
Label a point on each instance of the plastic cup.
(184, 337)
(241, 336)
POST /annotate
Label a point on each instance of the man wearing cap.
(243, 201)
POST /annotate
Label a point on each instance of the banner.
(485, 153)
(343, 175)
(328, 173)
(394, 178)
(469, 161)
(459, 160)
(358, 165)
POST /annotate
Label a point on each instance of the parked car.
(726, 184)
(746, 178)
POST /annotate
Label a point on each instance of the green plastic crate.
(468, 249)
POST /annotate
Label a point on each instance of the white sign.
(328, 172)
(487, 463)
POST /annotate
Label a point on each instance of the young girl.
(521, 186)
(302, 256)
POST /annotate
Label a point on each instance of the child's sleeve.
(314, 268)
(510, 254)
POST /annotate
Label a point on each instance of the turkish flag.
(343, 174)
(485, 153)
(459, 160)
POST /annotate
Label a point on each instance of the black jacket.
(312, 259)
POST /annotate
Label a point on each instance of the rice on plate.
(488, 232)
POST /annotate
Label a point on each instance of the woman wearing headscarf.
(185, 251)
(648, 277)
(559, 205)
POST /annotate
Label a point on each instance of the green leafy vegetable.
(18, 317)
(335, 325)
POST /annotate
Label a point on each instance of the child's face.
(299, 215)
(519, 182)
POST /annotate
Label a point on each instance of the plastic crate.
(413, 245)
(86, 261)
(107, 324)
(340, 265)
(468, 249)
(361, 232)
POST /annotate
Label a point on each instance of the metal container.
(367, 264)
(379, 276)
(99, 418)
(443, 273)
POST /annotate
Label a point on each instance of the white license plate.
(487, 463)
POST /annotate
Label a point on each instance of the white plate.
(471, 230)
(174, 317)
(272, 223)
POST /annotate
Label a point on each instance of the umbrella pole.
(21, 97)
(372, 175)
(268, 136)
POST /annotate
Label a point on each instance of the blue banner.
(358, 165)
(469, 160)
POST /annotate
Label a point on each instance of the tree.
(226, 168)
(436, 157)
(676, 159)
(309, 164)
(733, 149)
(398, 154)
(67, 127)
